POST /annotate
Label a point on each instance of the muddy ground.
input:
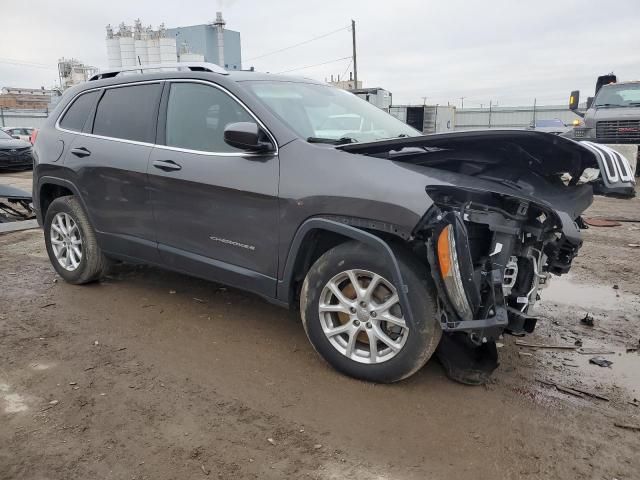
(155, 375)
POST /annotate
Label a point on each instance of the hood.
(505, 157)
(604, 113)
(6, 144)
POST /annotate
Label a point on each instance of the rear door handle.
(80, 152)
(166, 165)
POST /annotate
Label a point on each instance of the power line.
(298, 44)
(347, 69)
(315, 65)
(22, 63)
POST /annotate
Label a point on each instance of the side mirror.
(247, 136)
(574, 100)
(589, 102)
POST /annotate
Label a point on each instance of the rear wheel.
(352, 315)
(71, 242)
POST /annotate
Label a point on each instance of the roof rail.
(191, 66)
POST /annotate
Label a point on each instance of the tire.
(92, 263)
(413, 345)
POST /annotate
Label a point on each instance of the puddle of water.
(625, 371)
(13, 403)
(42, 366)
(564, 290)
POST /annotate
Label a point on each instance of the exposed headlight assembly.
(456, 269)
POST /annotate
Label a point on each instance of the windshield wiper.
(610, 105)
(332, 141)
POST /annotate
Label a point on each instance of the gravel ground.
(151, 374)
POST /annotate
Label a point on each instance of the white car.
(23, 133)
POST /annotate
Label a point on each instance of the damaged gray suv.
(393, 245)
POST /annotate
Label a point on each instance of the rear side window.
(197, 115)
(76, 115)
(129, 113)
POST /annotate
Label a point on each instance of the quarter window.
(77, 114)
(129, 112)
(197, 115)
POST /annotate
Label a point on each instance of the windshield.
(319, 112)
(621, 95)
(4, 135)
(556, 122)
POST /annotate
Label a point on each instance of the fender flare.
(362, 236)
(55, 181)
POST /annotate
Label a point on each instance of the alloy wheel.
(361, 316)
(66, 241)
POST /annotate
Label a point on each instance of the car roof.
(627, 82)
(222, 79)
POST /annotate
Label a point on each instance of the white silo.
(128, 52)
(140, 37)
(127, 46)
(191, 57)
(113, 49)
(168, 51)
(153, 46)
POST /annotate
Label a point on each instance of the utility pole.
(355, 61)
(462, 102)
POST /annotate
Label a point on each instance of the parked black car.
(391, 243)
(14, 153)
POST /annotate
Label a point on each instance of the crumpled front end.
(490, 255)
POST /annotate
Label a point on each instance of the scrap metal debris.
(601, 362)
(601, 222)
(627, 426)
(522, 343)
(575, 391)
(587, 320)
(594, 351)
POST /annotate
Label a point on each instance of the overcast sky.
(507, 51)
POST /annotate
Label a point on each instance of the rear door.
(111, 164)
(215, 207)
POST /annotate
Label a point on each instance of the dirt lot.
(155, 375)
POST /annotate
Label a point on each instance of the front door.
(215, 207)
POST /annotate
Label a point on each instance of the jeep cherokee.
(393, 245)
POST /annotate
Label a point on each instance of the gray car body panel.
(200, 219)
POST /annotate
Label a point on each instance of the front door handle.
(80, 152)
(166, 165)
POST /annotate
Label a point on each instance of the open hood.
(487, 152)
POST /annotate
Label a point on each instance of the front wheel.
(353, 318)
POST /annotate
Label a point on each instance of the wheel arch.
(50, 188)
(317, 235)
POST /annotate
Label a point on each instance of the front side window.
(128, 113)
(77, 114)
(319, 112)
(197, 115)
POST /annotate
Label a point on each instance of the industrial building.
(27, 98)
(379, 97)
(72, 72)
(139, 45)
(426, 118)
(215, 43)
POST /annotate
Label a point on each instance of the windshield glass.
(318, 112)
(620, 95)
(4, 135)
